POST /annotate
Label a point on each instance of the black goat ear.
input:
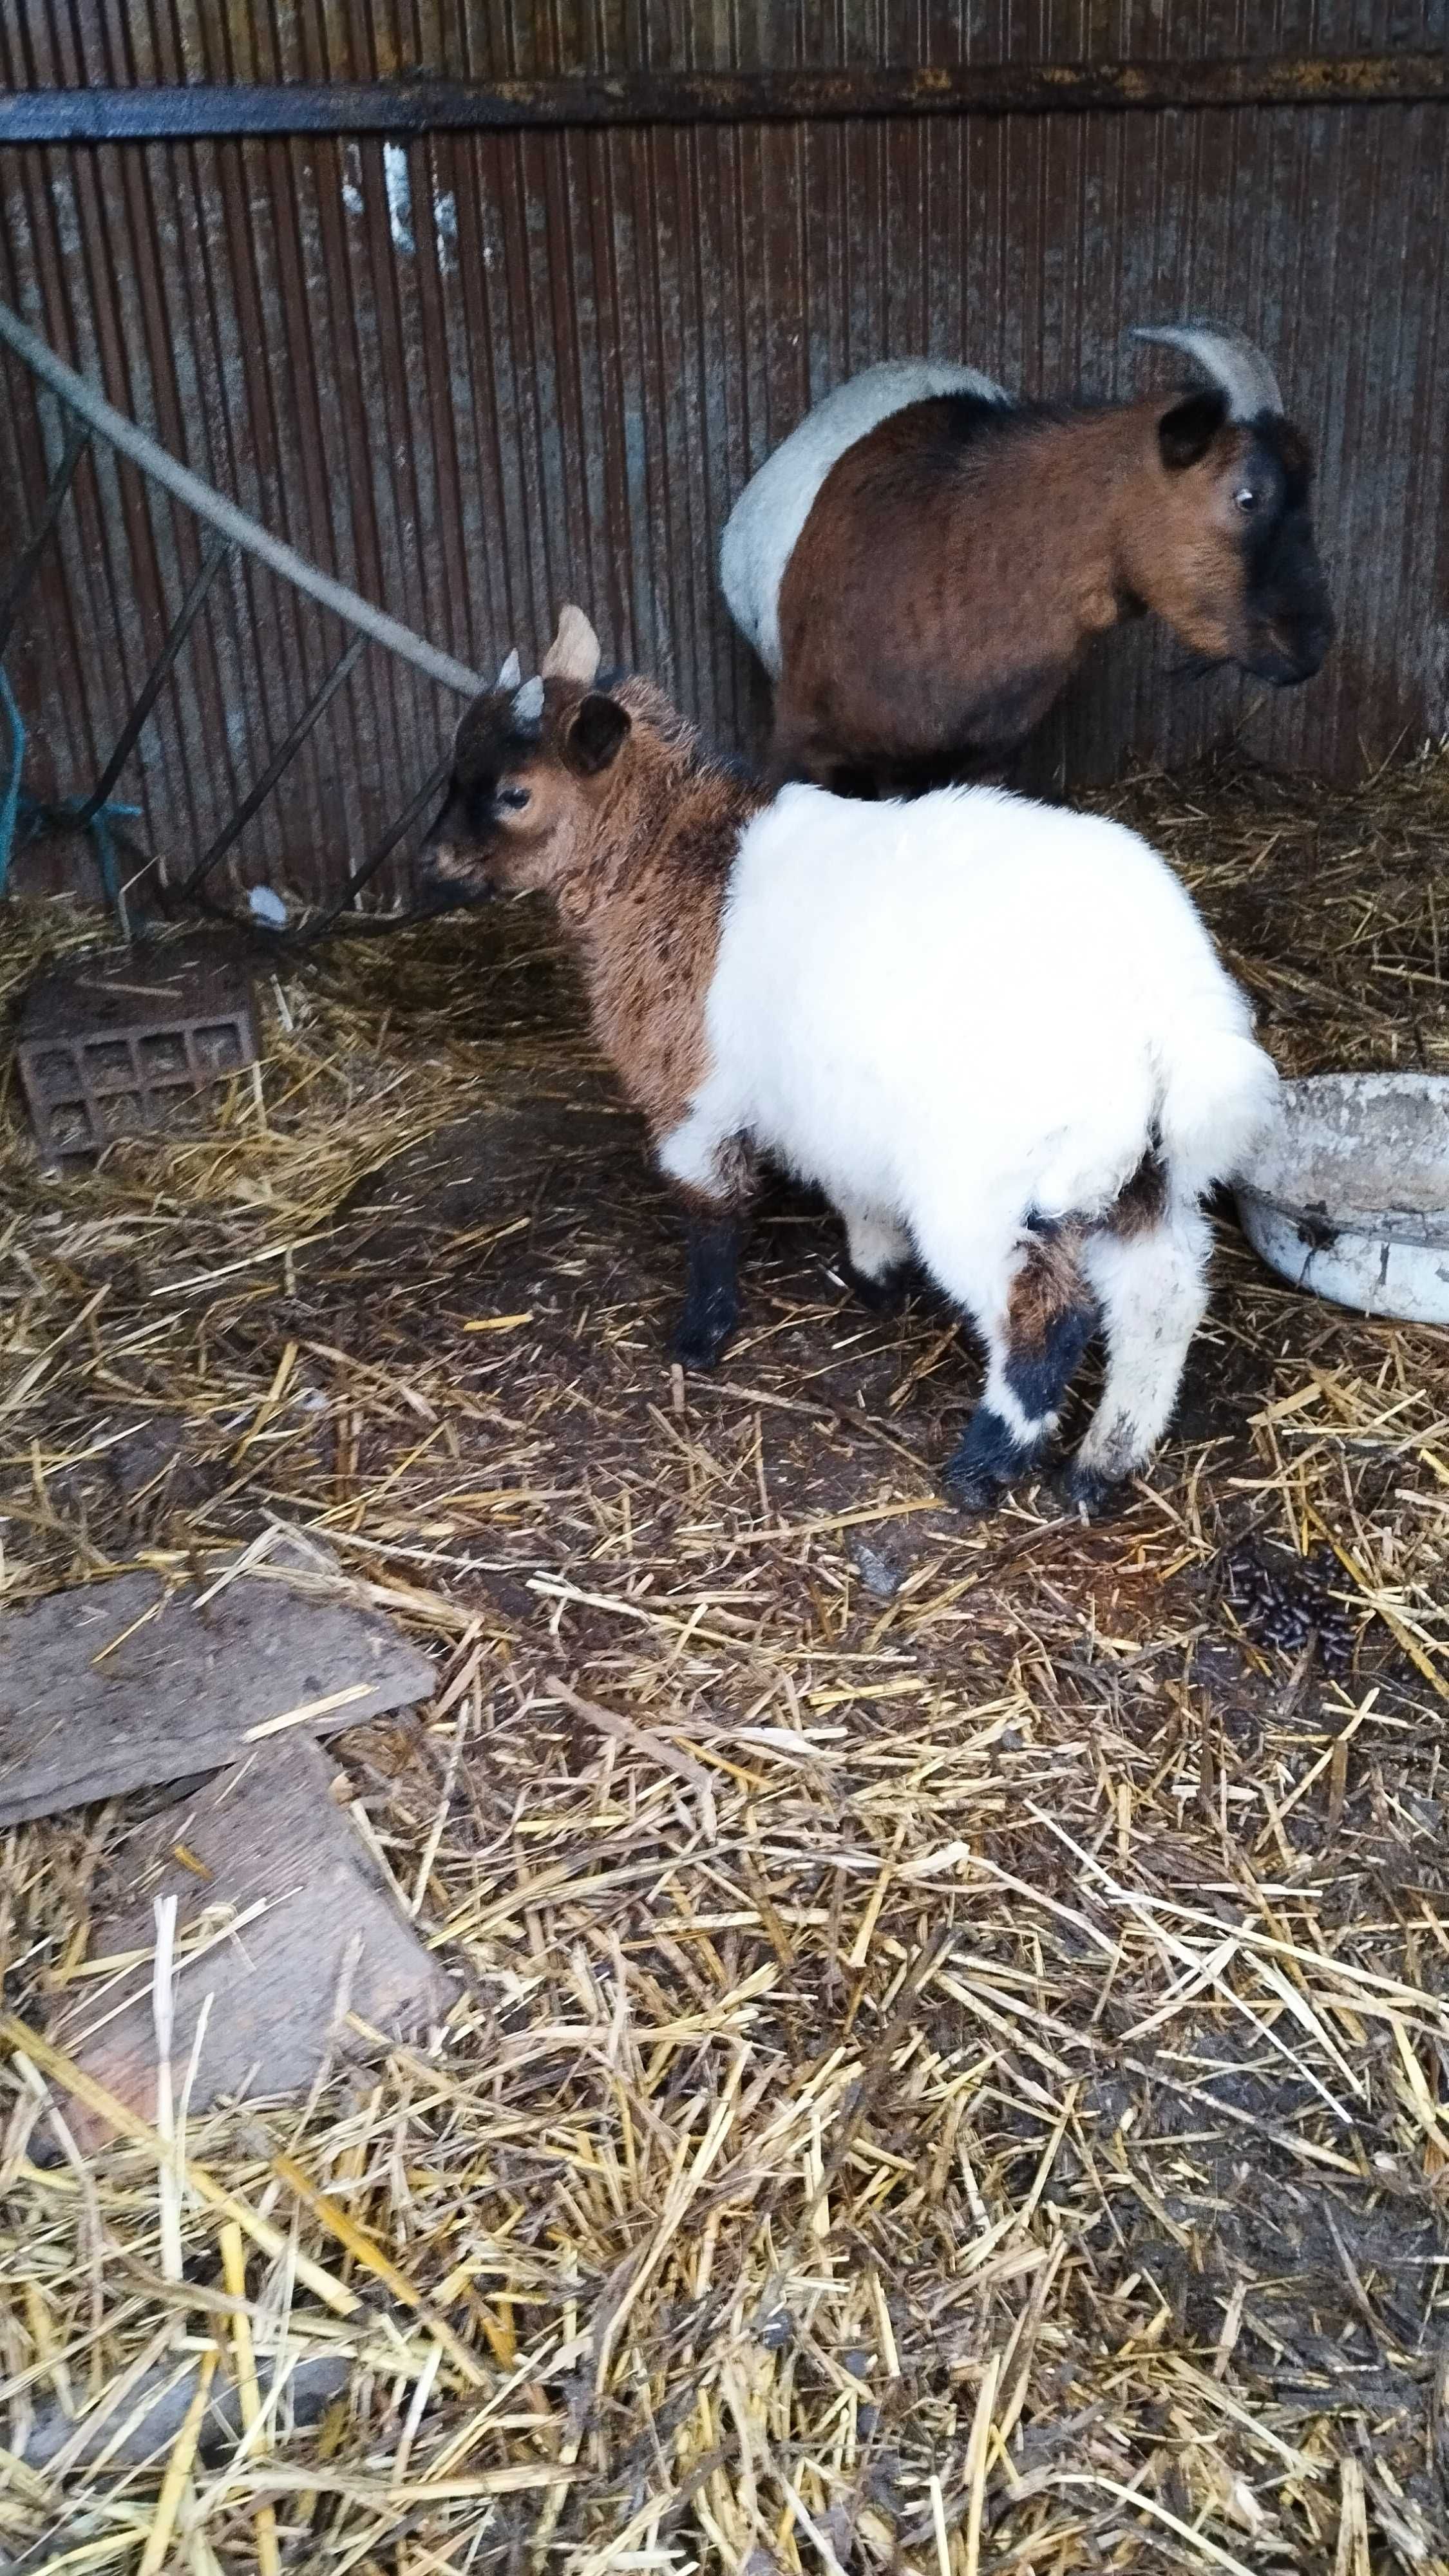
(1185, 433)
(595, 733)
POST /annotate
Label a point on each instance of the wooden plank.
(319, 1933)
(126, 1685)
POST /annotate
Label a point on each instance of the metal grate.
(229, 530)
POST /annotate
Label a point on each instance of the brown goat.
(635, 854)
(958, 552)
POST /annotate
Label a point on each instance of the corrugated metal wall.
(478, 373)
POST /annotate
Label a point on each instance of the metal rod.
(24, 574)
(285, 752)
(216, 550)
(431, 788)
(123, 434)
(165, 114)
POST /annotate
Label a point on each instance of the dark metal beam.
(285, 753)
(214, 555)
(422, 106)
(13, 599)
(416, 806)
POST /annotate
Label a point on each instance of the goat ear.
(595, 734)
(574, 652)
(1185, 433)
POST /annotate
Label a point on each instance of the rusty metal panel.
(143, 41)
(476, 373)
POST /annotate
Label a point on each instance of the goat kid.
(995, 1035)
(923, 561)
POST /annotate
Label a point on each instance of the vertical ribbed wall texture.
(476, 375)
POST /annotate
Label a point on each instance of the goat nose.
(435, 880)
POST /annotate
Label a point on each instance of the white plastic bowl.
(1349, 1197)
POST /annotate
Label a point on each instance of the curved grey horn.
(1231, 361)
(511, 673)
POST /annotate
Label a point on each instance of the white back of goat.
(967, 1007)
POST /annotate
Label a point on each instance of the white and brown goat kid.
(993, 1033)
(922, 563)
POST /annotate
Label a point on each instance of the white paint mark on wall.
(399, 197)
(445, 225)
(352, 180)
(67, 221)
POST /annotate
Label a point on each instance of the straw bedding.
(950, 2060)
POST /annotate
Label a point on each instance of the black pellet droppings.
(1284, 1601)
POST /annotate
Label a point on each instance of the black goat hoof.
(1090, 1497)
(698, 1346)
(884, 1295)
(971, 1494)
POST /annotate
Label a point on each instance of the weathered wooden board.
(117, 1686)
(330, 1936)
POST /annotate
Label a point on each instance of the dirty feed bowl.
(1349, 1197)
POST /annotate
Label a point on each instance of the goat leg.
(713, 1231)
(1033, 1346)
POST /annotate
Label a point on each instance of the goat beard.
(1198, 666)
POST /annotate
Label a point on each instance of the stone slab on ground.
(129, 1684)
(318, 1931)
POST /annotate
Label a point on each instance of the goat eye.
(1245, 497)
(513, 799)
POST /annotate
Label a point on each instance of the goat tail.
(1219, 1097)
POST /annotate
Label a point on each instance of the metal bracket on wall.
(89, 414)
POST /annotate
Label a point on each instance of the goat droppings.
(1283, 1602)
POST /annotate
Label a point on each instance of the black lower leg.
(881, 1293)
(988, 1457)
(1049, 1321)
(712, 1301)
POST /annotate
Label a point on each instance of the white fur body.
(967, 1014)
(763, 527)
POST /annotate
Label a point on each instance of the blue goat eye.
(513, 799)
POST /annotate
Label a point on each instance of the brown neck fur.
(642, 900)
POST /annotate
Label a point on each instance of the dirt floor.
(950, 2060)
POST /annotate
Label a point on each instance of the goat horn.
(528, 702)
(511, 673)
(574, 652)
(1231, 361)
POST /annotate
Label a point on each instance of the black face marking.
(491, 746)
(1039, 1379)
(1286, 597)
